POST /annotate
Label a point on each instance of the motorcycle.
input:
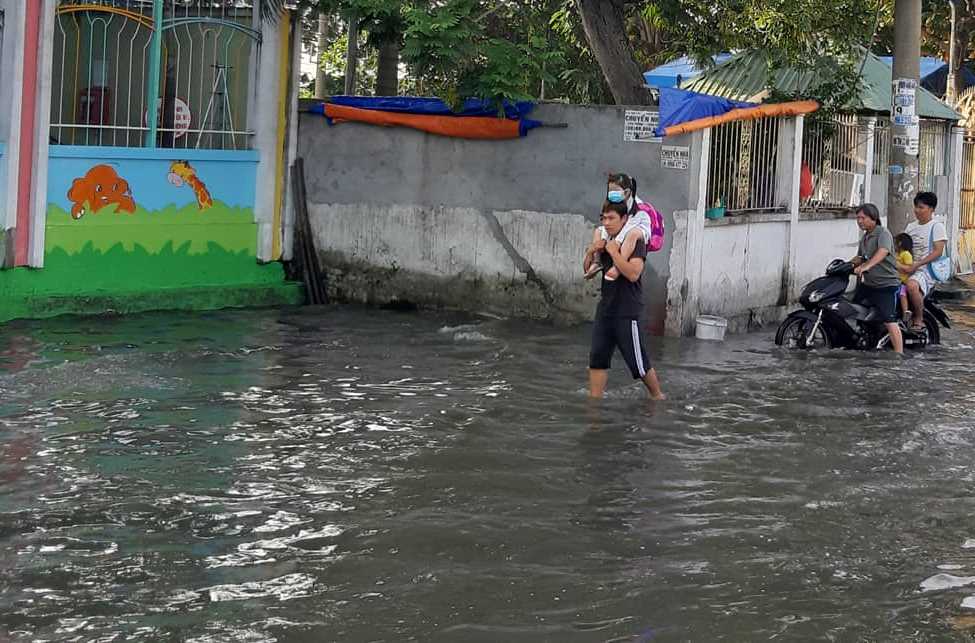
(831, 319)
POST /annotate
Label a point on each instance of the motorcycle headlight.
(816, 296)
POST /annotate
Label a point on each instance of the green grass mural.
(172, 258)
(232, 229)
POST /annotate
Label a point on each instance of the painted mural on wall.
(131, 223)
(180, 173)
(99, 188)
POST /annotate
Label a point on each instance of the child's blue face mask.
(615, 196)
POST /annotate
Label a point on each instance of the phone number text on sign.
(639, 126)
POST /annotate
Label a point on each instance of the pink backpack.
(656, 226)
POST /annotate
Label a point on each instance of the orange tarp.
(744, 114)
(478, 127)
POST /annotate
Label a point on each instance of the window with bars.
(109, 53)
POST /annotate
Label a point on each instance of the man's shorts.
(922, 279)
(883, 299)
(609, 333)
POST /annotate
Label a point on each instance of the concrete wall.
(742, 276)
(742, 269)
(823, 238)
(484, 225)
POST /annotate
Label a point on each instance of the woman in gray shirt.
(877, 268)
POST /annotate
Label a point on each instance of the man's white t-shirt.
(922, 235)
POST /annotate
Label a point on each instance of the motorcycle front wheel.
(796, 332)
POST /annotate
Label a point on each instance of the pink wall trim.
(28, 137)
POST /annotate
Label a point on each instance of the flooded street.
(361, 475)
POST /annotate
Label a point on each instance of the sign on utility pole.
(905, 129)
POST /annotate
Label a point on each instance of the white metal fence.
(967, 218)
(932, 156)
(104, 66)
(834, 159)
(835, 153)
(743, 165)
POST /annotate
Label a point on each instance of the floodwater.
(351, 474)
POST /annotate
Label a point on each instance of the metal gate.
(966, 223)
(196, 67)
(967, 219)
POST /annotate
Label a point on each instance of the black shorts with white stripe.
(608, 333)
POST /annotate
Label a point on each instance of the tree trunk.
(352, 55)
(605, 27)
(387, 74)
(320, 77)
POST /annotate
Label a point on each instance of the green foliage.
(512, 49)
(461, 48)
(816, 35)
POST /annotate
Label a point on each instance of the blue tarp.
(929, 65)
(430, 106)
(680, 106)
(934, 74)
(673, 73)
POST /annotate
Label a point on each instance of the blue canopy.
(673, 73)
(680, 106)
(934, 74)
(929, 65)
(431, 106)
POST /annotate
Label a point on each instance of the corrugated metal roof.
(744, 76)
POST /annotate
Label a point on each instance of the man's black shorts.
(883, 299)
(608, 333)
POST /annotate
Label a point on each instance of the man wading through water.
(620, 308)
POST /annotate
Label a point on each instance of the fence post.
(955, 149)
(155, 60)
(687, 246)
(785, 150)
(870, 159)
(269, 138)
(789, 170)
(38, 215)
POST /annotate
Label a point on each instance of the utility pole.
(950, 93)
(902, 178)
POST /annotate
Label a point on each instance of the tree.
(936, 33)
(492, 50)
(382, 23)
(604, 22)
(807, 34)
(385, 25)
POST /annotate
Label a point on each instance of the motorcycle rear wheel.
(794, 333)
(934, 331)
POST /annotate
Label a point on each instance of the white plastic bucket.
(713, 328)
